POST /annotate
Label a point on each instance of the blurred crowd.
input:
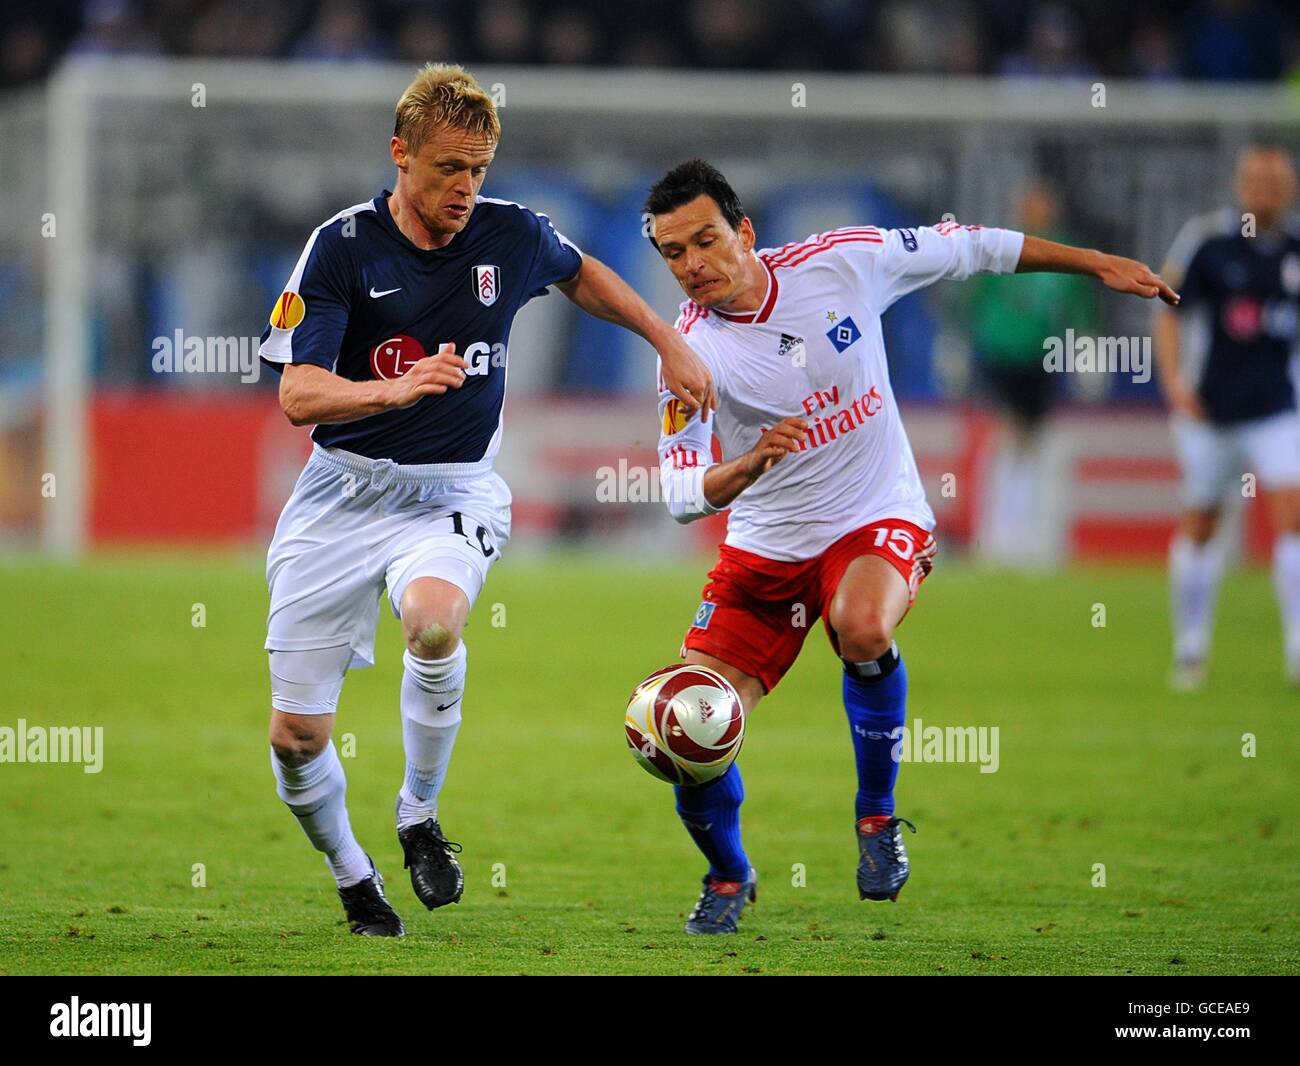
(1245, 40)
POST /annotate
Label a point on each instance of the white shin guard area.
(432, 690)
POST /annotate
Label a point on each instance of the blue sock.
(875, 699)
(711, 814)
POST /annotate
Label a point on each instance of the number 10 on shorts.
(458, 526)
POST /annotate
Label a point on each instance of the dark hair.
(689, 180)
(1266, 145)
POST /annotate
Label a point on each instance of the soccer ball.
(685, 724)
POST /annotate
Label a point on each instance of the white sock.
(431, 701)
(1194, 572)
(1286, 582)
(317, 795)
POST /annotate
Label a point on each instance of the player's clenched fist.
(430, 376)
(784, 437)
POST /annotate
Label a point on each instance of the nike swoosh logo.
(444, 706)
(387, 292)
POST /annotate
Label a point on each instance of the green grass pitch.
(1099, 764)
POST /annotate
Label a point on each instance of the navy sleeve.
(557, 258)
(310, 316)
(1194, 284)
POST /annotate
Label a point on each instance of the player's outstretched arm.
(1113, 271)
(723, 482)
(310, 394)
(601, 292)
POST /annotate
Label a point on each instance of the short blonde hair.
(444, 94)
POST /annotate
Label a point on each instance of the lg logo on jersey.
(393, 357)
(482, 356)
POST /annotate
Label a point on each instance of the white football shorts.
(354, 526)
(1214, 458)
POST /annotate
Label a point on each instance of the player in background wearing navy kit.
(391, 336)
(1227, 375)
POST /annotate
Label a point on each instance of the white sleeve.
(1191, 237)
(912, 258)
(685, 453)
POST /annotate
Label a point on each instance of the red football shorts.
(757, 611)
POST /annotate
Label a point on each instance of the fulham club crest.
(487, 284)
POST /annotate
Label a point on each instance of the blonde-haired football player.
(392, 337)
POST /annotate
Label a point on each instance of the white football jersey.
(814, 348)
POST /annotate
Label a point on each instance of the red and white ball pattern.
(685, 724)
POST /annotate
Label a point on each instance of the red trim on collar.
(769, 300)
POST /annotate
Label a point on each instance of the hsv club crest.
(487, 284)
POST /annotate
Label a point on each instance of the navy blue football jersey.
(366, 303)
(1243, 294)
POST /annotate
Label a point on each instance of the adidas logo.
(789, 345)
